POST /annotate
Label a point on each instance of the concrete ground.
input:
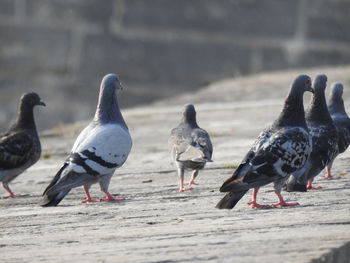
(158, 224)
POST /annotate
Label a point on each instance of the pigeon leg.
(104, 184)
(194, 175)
(253, 203)
(7, 188)
(88, 197)
(329, 174)
(181, 175)
(310, 187)
(110, 198)
(281, 201)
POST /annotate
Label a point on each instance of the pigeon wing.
(274, 155)
(15, 150)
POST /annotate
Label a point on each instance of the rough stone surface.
(158, 224)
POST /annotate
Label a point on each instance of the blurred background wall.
(62, 48)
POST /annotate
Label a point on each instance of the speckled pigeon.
(101, 147)
(191, 146)
(324, 137)
(20, 146)
(341, 121)
(278, 151)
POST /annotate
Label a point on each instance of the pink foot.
(185, 189)
(310, 187)
(254, 204)
(191, 183)
(110, 198)
(113, 199)
(283, 203)
(10, 196)
(328, 173)
(89, 200)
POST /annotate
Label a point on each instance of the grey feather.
(191, 145)
(100, 148)
(324, 137)
(20, 146)
(279, 150)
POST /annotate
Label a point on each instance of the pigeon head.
(337, 91)
(31, 99)
(317, 112)
(320, 83)
(25, 116)
(107, 108)
(336, 103)
(293, 110)
(302, 83)
(189, 114)
(112, 81)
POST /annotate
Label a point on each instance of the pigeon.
(324, 137)
(20, 146)
(101, 147)
(279, 150)
(341, 121)
(191, 147)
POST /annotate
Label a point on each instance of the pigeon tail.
(236, 180)
(61, 185)
(192, 154)
(53, 199)
(230, 200)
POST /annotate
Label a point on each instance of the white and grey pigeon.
(278, 151)
(341, 121)
(324, 137)
(191, 146)
(101, 147)
(20, 146)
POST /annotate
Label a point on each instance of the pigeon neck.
(293, 111)
(25, 117)
(107, 108)
(317, 112)
(336, 105)
(190, 120)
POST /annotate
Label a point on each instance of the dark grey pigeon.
(278, 151)
(191, 146)
(20, 146)
(341, 121)
(101, 147)
(324, 137)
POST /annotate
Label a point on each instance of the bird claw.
(283, 204)
(111, 199)
(255, 205)
(185, 189)
(191, 183)
(86, 201)
(313, 187)
(10, 196)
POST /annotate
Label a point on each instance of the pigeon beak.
(42, 103)
(119, 86)
(310, 89)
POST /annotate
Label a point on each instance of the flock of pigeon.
(289, 153)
